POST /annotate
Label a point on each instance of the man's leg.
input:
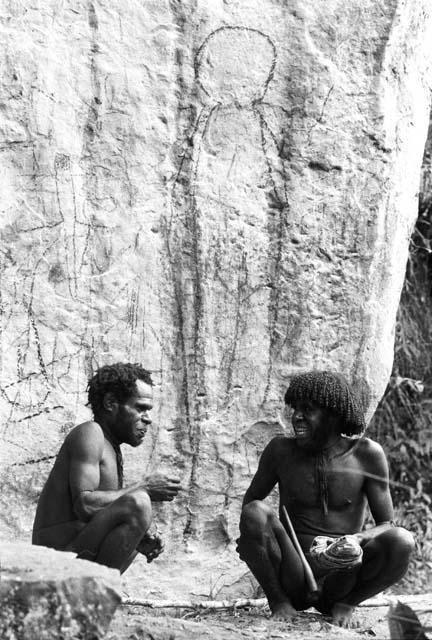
(57, 536)
(270, 555)
(112, 535)
(385, 561)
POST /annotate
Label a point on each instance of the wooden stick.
(310, 578)
(420, 603)
(204, 604)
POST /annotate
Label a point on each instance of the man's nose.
(146, 418)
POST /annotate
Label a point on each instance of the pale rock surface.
(221, 190)
(47, 595)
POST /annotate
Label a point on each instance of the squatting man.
(83, 506)
(326, 478)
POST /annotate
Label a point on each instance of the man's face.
(312, 425)
(133, 417)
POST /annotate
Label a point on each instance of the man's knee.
(401, 542)
(255, 522)
(254, 517)
(137, 504)
(253, 526)
(395, 545)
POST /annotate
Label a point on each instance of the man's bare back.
(325, 482)
(83, 507)
(56, 520)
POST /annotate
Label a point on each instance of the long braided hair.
(331, 391)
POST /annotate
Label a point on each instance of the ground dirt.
(139, 623)
(201, 576)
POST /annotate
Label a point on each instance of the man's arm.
(86, 447)
(266, 477)
(377, 490)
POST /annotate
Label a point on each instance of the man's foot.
(342, 615)
(283, 611)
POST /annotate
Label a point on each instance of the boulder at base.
(48, 594)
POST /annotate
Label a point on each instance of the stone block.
(51, 595)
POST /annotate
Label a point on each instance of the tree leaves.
(404, 623)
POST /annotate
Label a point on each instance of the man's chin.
(303, 443)
(308, 445)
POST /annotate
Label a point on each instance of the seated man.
(326, 478)
(83, 507)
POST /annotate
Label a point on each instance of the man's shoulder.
(283, 441)
(87, 434)
(89, 427)
(370, 451)
(369, 446)
(280, 444)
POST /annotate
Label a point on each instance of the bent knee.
(397, 541)
(254, 516)
(138, 507)
(402, 540)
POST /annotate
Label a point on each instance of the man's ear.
(110, 402)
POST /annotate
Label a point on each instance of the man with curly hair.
(327, 475)
(83, 506)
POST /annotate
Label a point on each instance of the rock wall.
(223, 191)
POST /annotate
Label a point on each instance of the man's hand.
(151, 546)
(368, 534)
(161, 487)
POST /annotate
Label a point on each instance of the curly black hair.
(331, 391)
(119, 378)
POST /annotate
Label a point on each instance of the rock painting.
(47, 258)
(227, 225)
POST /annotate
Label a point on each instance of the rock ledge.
(48, 594)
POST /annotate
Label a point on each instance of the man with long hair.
(327, 475)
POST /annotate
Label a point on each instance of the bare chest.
(301, 483)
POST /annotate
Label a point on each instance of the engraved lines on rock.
(277, 196)
(31, 398)
(68, 271)
(75, 236)
(27, 344)
(74, 243)
(279, 205)
(233, 31)
(96, 148)
(93, 112)
(183, 248)
(183, 233)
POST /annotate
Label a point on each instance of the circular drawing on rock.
(234, 65)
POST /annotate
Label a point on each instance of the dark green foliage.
(403, 420)
(404, 623)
